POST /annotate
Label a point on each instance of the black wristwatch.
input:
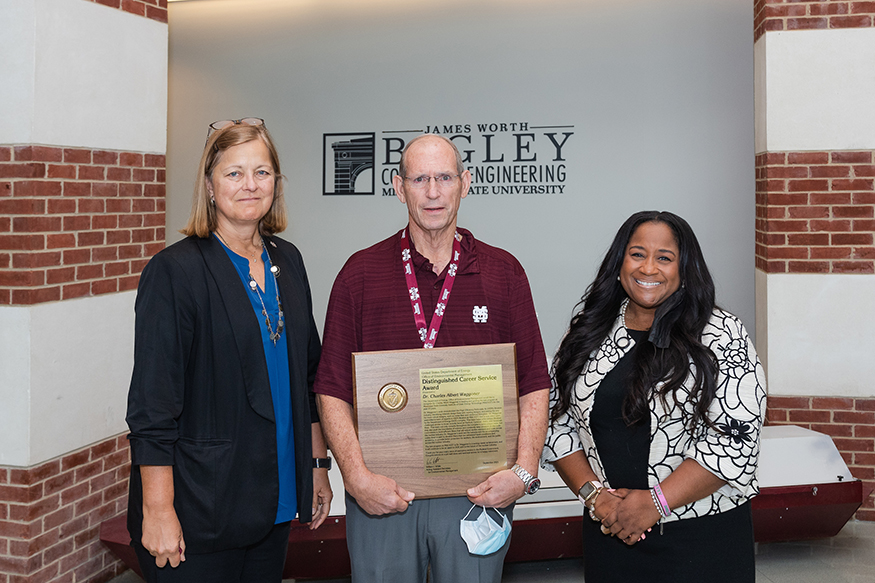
(532, 483)
(322, 462)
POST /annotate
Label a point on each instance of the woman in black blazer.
(224, 430)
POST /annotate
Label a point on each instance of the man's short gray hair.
(402, 169)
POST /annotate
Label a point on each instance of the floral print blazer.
(738, 410)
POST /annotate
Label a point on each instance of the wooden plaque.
(440, 420)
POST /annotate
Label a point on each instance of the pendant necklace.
(253, 255)
(253, 285)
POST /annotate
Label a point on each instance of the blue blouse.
(277, 357)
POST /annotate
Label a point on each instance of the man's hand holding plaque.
(498, 490)
(377, 494)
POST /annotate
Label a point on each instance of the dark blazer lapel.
(291, 300)
(247, 333)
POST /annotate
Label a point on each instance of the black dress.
(713, 549)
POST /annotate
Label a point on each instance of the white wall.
(64, 374)
(81, 74)
(14, 385)
(815, 90)
(17, 45)
(820, 334)
(81, 362)
(660, 97)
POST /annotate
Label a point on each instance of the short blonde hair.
(203, 220)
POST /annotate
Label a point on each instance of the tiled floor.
(848, 557)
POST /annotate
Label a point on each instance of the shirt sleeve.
(731, 449)
(526, 333)
(562, 437)
(163, 332)
(340, 340)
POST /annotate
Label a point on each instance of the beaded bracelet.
(591, 506)
(660, 502)
(656, 503)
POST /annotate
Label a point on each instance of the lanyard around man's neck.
(428, 336)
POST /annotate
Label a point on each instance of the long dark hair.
(674, 347)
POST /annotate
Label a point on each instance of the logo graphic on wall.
(514, 158)
(348, 163)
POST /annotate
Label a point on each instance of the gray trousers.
(398, 548)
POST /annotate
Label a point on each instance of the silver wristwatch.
(532, 483)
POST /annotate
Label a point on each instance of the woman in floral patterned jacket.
(656, 412)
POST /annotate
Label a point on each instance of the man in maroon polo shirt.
(431, 284)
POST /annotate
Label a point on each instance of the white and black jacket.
(738, 409)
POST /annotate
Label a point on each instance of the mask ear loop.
(503, 517)
(486, 512)
(472, 508)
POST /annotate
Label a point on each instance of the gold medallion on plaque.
(392, 398)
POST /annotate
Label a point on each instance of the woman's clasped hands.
(626, 514)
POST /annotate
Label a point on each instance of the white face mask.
(484, 536)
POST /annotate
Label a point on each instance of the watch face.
(533, 486)
(587, 490)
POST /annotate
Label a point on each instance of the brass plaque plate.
(392, 397)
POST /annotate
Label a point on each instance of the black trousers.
(259, 563)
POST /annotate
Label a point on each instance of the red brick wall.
(815, 212)
(154, 9)
(849, 421)
(50, 515)
(808, 14)
(76, 222)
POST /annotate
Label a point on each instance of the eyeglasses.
(442, 181)
(220, 125)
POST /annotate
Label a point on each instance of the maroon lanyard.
(429, 336)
